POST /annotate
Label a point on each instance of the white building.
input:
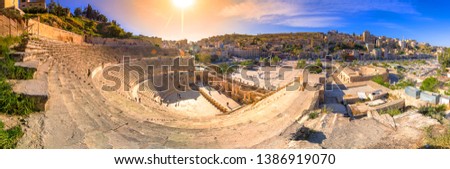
(402, 44)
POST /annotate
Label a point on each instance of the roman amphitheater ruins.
(128, 93)
(87, 109)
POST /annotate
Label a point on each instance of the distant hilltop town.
(315, 45)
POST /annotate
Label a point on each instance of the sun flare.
(183, 3)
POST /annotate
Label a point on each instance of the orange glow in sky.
(183, 3)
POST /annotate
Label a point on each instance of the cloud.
(309, 13)
(310, 22)
(257, 10)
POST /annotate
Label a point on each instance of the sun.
(182, 3)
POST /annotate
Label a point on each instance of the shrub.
(313, 115)
(430, 84)
(301, 64)
(436, 112)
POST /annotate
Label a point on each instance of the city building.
(365, 73)
(429, 97)
(445, 100)
(33, 4)
(413, 92)
(248, 53)
(9, 3)
(376, 53)
(370, 47)
(366, 37)
(402, 44)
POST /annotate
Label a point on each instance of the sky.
(422, 20)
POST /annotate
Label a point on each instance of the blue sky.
(425, 21)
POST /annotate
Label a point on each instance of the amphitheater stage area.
(191, 104)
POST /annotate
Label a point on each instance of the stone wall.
(148, 41)
(10, 27)
(46, 31)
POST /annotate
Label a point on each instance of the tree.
(78, 12)
(226, 69)
(301, 64)
(275, 60)
(319, 63)
(102, 18)
(89, 11)
(430, 84)
(204, 58)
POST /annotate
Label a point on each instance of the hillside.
(83, 26)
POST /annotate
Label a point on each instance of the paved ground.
(223, 100)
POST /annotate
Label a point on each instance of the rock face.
(415, 120)
(403, 131)
(357, 134)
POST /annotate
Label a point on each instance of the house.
(365, 73)
(9, 3)
(445, 100)
(377, 95)
(33, 4)
(413, 92)
(429, 97)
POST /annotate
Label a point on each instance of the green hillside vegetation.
(84, 22)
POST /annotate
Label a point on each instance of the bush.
(436, 112)
(301, 64)
(9, 138)
(313, 115)
(430, 84)
(13, 14)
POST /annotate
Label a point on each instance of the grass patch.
(9, 138)
(441, 141)
(7, 68)
(14, 104)
(391, 112)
